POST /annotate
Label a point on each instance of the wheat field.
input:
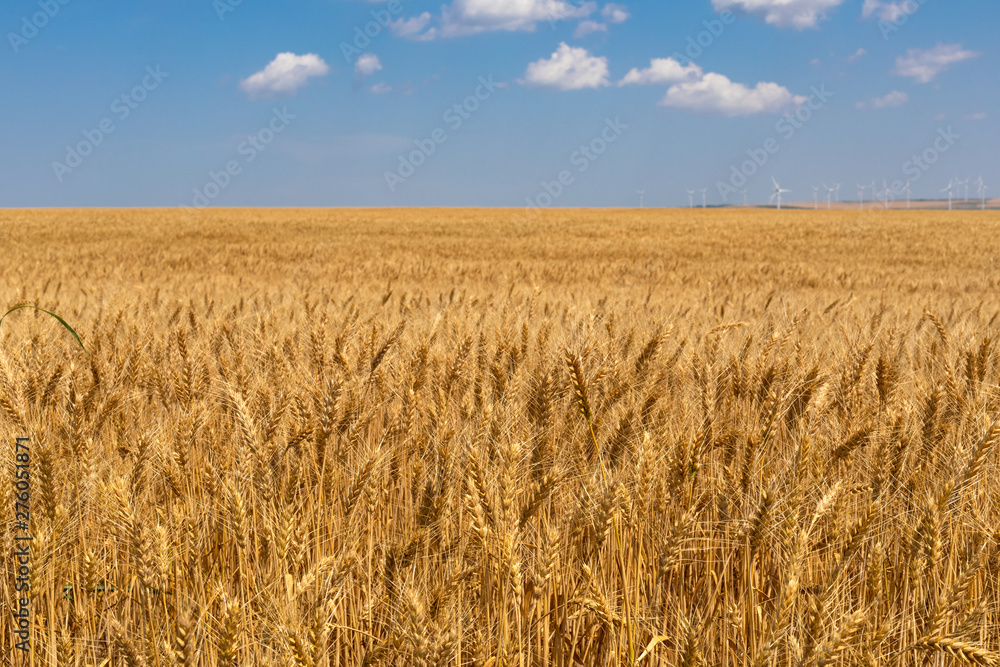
(473, 437)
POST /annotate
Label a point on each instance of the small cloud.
(858, 55)
(923, 65)
(471, 17)
(568, 68)
(662, 70)
(940, 117)
(815, 62)
(893, 99)
(413, 28)
(976, 116)
(797, 14)
(589, 27)
(715, 93)
(612, 13)
(284, 75)
(381, 89)
(885, 11)
(615, 13)
(367, 64)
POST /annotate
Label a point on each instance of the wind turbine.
(690, 198)
(982, 191)
(907, 195)
(948, 190)
(744, 199)
(641, 193)
(966, 184)
(836, 192)
(886, 194)
(778, 191)
(829, 191)
(861, 195)
(815, 197)
(704, 197)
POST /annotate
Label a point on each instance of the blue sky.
(559, 103)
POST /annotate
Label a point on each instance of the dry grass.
(458, 438)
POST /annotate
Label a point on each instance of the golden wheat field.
(476, 438)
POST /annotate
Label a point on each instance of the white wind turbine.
(690, 198)
(948, 190)
(966, 184)
(704, 197)
(981, 188)
(815, 197)
(642, 194)
(907, 195)
(861, 195)
(887, 194)
(836, 192)
(829, 191)
(778, 191)
(744, 199)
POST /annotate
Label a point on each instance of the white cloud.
(568, 68)
(284, 75)
(858, 55)
(695, 90)
(615, 13)
(413, 28)
(381, 88)
(470, 17)
(923, 66)
(798, 14)
(894, 99)
(589, 27)
(715, 93)
(367, 64)
(662, 70)
(886, 11)
(976, 116)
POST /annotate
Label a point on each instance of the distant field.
(973, 204)
(487, 437)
